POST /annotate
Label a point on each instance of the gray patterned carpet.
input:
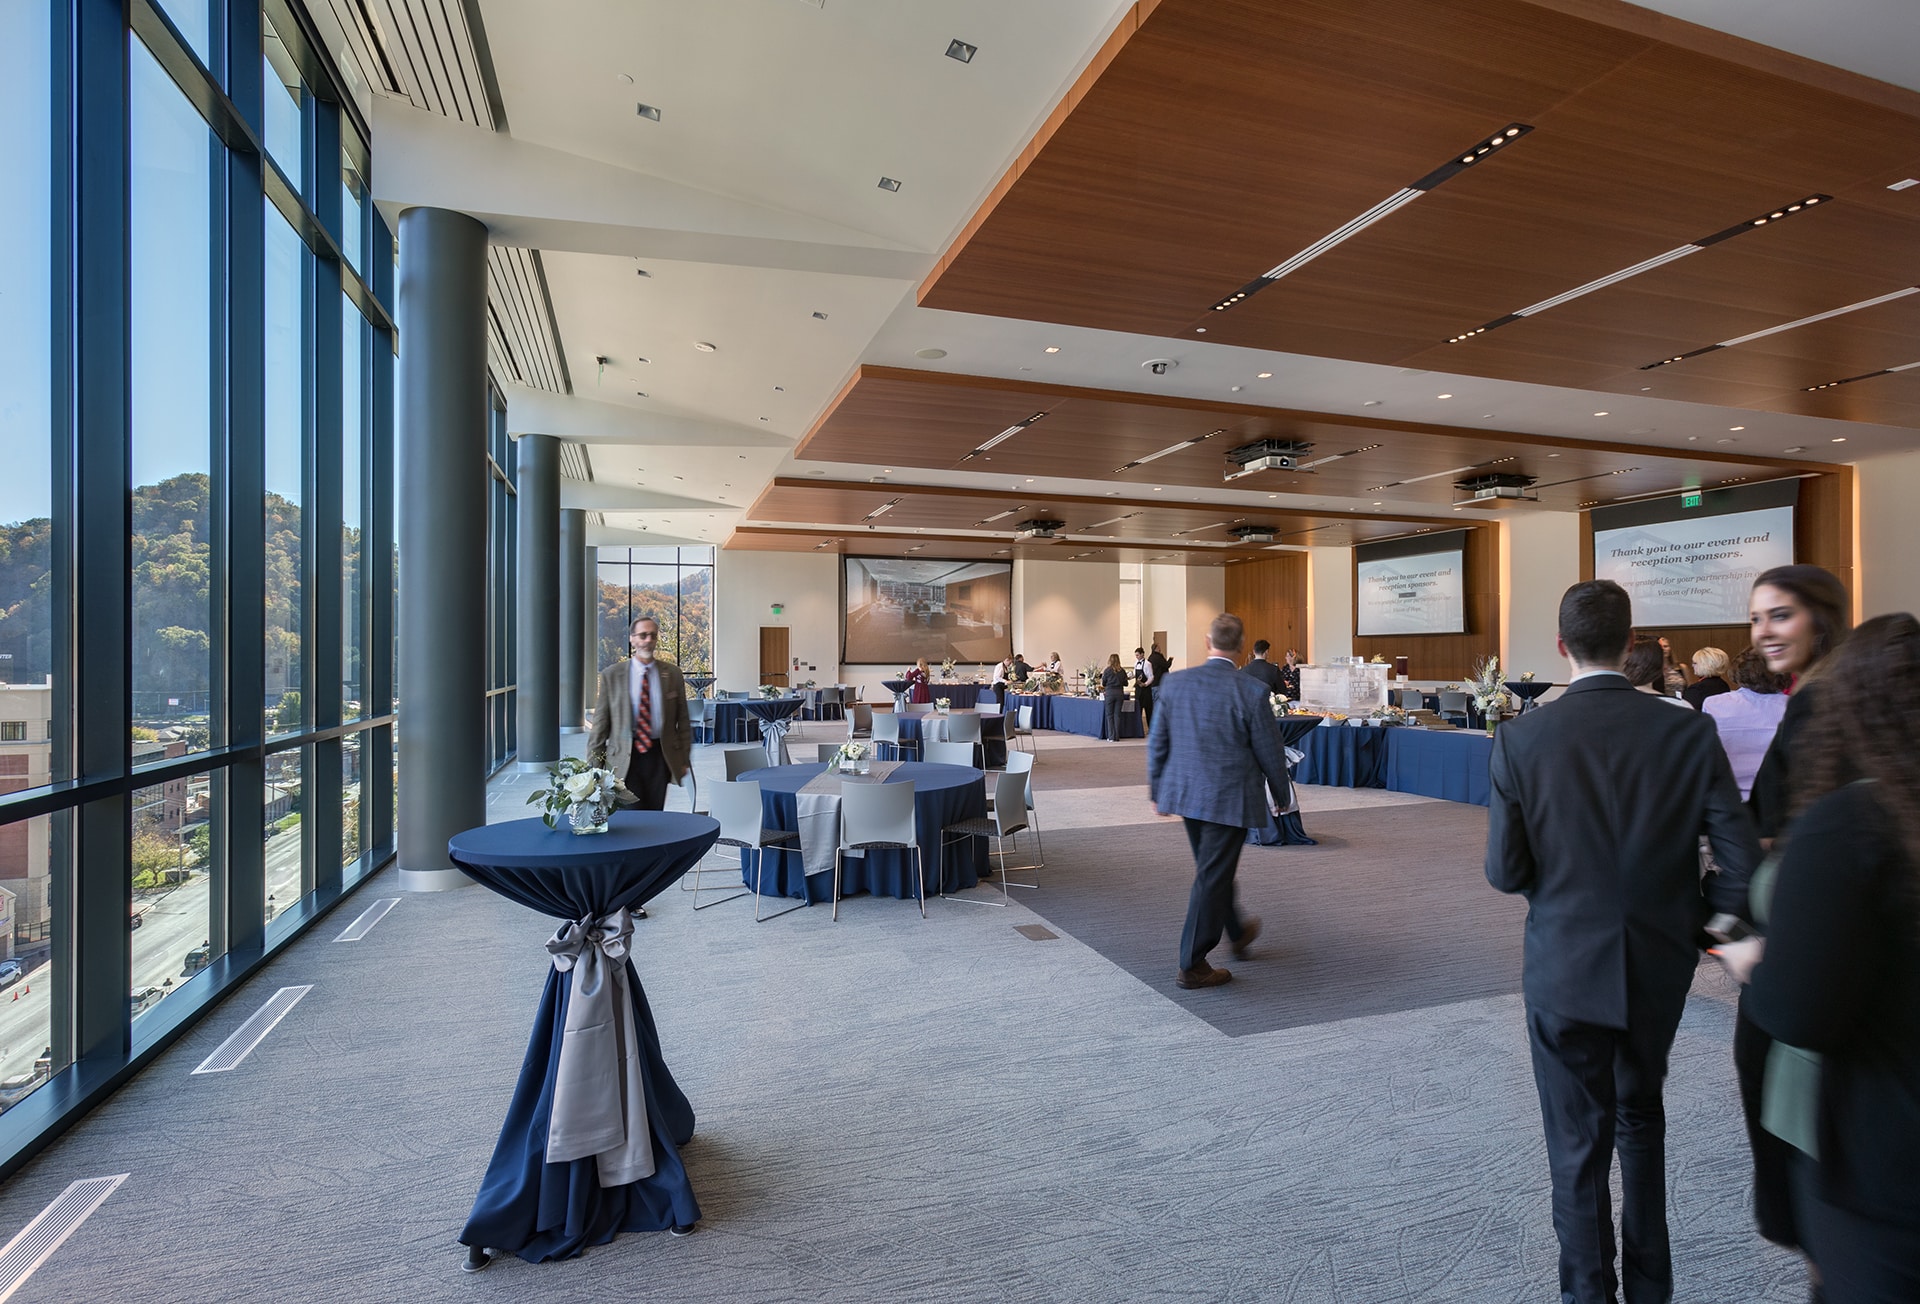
(890, 1110)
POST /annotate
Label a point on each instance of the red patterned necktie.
(643, 718)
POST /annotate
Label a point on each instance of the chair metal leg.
(759, 859)
(697, 903)
(920, 878)
(836, 885)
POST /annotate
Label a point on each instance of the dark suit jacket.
(1599, 802)
(613, 720)
(1265, 671)
(1213, 738)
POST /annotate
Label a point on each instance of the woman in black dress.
(1797, 616)
(1113, 691)
(1840, 976)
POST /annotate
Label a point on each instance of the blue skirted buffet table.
(1447, 763)
(590, 1146)
(1086, 716)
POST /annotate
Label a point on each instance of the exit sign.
(1690, 499)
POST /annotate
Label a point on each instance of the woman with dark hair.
(1113, 691)
(1797, 615)
(1749, 716)
(1841, 973)
(1645, 668)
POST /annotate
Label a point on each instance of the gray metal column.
(441, 469)
(537, 459)
(590, 665)
(573, 620)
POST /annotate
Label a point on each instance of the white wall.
(1163, 605)
(746, 585)
(1329, 604)
(1069, 607)
(1539, 560)
(1889, 568)
(1206, 598)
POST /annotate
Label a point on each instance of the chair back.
(948, 753)
(859, 719)
(1025, 724)
(1021, 763)
(886, 727)
(1010, 800)
(987, 702)
(829, 753)
(963, 728)
(919, 708)
(737, 806)
(876, 812)
(742, 759)
(696, 710)
(1454, 703)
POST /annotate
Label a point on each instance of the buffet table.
(1450, 764)
(1086, 716)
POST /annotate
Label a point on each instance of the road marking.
(373, 914)
(35, 1243)
(254, 1031)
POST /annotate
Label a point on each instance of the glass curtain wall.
(674, 586)
(196, 670)
(503, 589)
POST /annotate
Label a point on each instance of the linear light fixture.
(1658, 260)
(1115, 521)
(1391, 204)
(1784, 326)
(1170, 448)
(1201, 529)
(1003, 436)
(1458, 470)
(1865, 375)
(1001, 515)
(882, 509)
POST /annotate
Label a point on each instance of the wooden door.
(774, 657)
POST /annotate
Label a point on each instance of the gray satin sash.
(599, 1093)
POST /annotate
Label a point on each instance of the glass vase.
(588, 817)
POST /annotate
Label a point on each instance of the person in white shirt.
(1143, 687)
(1054, 666)
(1000, 670)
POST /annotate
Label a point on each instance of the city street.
(172, 924)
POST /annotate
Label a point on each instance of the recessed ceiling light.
(1273, 495)
(705, 347)
(1838, 439)
(1029, 479)
(1646, 389)
(1443, 396)
(1797, 448)
(641, 271)
(888, 183)
(641, 393)
(1156, 488)
(1724, 440)
(1372, 402)
(819, 316)
(1263, 375)
(931, 355)
(763, 418)
(627, 77)
(1553, 454)
(1908, 184)
(1736, 427)
(1693, 439)
(679, 477)
(1601, 414)
(648, 112)
(958, 49)
(1378, 504)
(1237, 388)
(1053, 348)
(741, 456)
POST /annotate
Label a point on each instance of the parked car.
(10, 973)
(197, 959)
(19, 1086)
(142, 999)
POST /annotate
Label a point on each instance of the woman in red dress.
(921, 678)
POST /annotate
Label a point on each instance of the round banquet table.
(1283, 827)
(915, 729)
(699, 683)
(774, 715)
(942, 795)
(543, 1210)
(1529, 691)
(898, 687)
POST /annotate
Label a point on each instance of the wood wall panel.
(1271, 597)
(1451, 656)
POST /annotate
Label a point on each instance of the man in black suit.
(1599, 802)
(1261, 668)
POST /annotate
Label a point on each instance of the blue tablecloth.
(942, 795)
(729, 721)
(1087, 716)
(1042, 704)
(961, 696)
(993, 735)
(774, 711)
(1344, 757)
(1448, 763)
(1286, 830)
(540, 1210)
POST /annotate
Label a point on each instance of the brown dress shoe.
(1249, 930)
(1205, 976)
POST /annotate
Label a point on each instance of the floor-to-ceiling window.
(674, 586)
(503, 589)
(196, 542)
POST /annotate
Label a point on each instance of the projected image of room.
(895, 611)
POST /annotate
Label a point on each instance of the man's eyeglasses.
(641, 633)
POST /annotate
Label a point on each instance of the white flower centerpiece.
(943, 704)
(852, 758)
(946, 668)
(1280, 703)
(1092, 674)
(1490, 696)
(771, 691)
(581, 791)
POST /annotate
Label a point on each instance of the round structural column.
(537, 488)
(440, 457)
(573, 621)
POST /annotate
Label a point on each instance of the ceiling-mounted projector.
(1500, 485)
(1270, 455)
(1254, 533)
(1040, 531)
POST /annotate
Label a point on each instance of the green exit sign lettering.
(1690, 499)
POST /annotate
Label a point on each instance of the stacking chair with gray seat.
(697, 716)
(919, 708)
(741, 759)
(859, 722)
(1453, 705)
(965, 728)
(737, 807)
(1021, 763)
(1007, 819)
(886, 733)
(1021, 726)
(879, 817)
(829, 752)
(948, 753)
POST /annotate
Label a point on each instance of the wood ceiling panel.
(905, 418)
(748, 538)
(1226, 135)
